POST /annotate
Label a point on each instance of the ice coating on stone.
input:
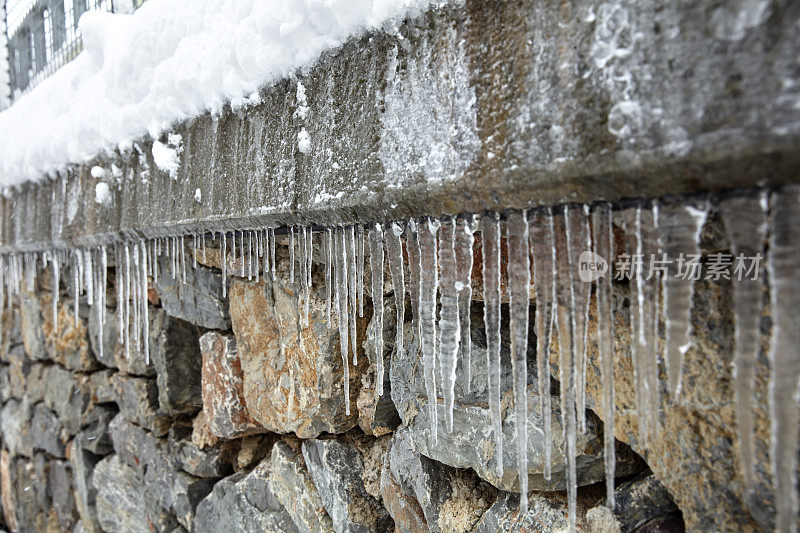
(784, 357)
(603, 243)
(490, 239)
(449, 333)
(519, 283)
(376, 266)
(679, 224)
(428, 282)
(464, 242)
(394, 253)
(745, 219)
(566, 363)
(340, 298)
(541, 244)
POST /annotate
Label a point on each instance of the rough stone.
(424, 495)
(31, 326)
(68, 395)
(94, 436)
(83, 463)
(211, 462)
(15, 424)
(5, 383)
(29, 482)
(253, 449)
(7, 490)
(108, 337)
(294, 488)
(102, 386)
(59, 487)
(293, 376)
(471, 443)
(175, 353)
(338, 470)
(19, 367)
(198, 301)
(67, 341)
(547, 511)
(47, 432)
(641, 500)
(243, 502)
(10, 331)
(223, 388)
(137, 398)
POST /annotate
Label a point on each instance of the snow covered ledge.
(485, 105)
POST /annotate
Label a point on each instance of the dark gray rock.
(424, 495)
(31, 326)
(94, 436)
(212, 462)
(175, 353)
(83, 463)
(294, 488)
(547, 511)
(109, 337)
(60, 491)
(337, 469)
(29, 493)
(137, 398)
(640, 501)
(243, 502)
(47, 432)
(102, 386)
(198, 301)
(15, 425)
(67, 394)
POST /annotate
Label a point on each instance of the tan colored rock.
(223, 388)
(292, 375)
(6, 490)
(67, 341)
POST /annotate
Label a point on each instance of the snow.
(172, 59)
(102, 195)
(166, 158)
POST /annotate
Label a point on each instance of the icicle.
(376, 266)
(490, 232)
(77, 284)
(464, 241)
(183, 261)
(204, 247)
(603, 240)
(519, 284)
(242, 259)
(257, 255)
(745, 219)
(127, 299)
(303, 278)
(224, 263)
(249, 256)
(648, 295)
(350, 245)
(56, 270)
(394, 249)
(577, 221)
(156, 253)
(119, 286)
(145, 310)
(566, 352)
(784, 291)
(136, 299)
(328, 273)
(291, 255)
(360, 265)
(341, 308)
(449, 333)
(540, 228)
(413, 250)
(194, 251)
(680, 225)
(428, 281)
(103, 297)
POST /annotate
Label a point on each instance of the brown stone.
(292, 375)
(67, 341)
(223, 388)
(7, 496)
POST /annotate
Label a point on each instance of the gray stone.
(640, 501)
(243, 502)
(10, 331)
(547, 511)
(424, 495)
(47, 432)
(5, 383)
(83, 463)
(29, 493)
(337, 469)
(123, 505)
(67, 340)
(109, 337)
(102, 386)
(15, 425)
(137, 398)
(94, 436)
(175, 353)
(59, 488)
(67, 394)
(471, 443)
(31, 326)
(294, 488)
(198, 301)
(212, 462)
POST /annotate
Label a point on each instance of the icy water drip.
(657, 248)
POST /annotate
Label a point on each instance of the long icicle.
(376, 265)
(360, 266)
(745, 219)
(490, 238)
(465, 240)
(394, 252)
(541, 243)
(427, 314)
(341, 309)
(224, 261)
(328, 273)
(784, 291)
(145, 311)
(449, 333)
(603, 241)
(291, 255)
(350, 245)
(519, 284)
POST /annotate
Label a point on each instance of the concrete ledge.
(488, 105)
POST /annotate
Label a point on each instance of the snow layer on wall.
(171, 60)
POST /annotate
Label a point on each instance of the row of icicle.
(542, 247)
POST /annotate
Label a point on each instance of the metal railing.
(42, 36)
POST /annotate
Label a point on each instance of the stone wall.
(236, 420)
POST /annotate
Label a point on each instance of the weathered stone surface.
(294, 488)
(59, 487)
(175, 491)
(378, 416)
(337, 469)
(292, 375)
(47, 432)
(15, 425)
(243, 502)
(68, 395)
(5, 383)
(424, 495)
(29, 482)
(108, 336)
(199, 300)
(67, 341)
(7, 490)
(137, 398)
(213, 462)
(94, 436)
(471, 443)
(223, 388)
(18, 369)
(31, 326)
(253, 449)
(83, 463)
(547, 511)
(175, 353)
(123, 504)
(102, 386)
(10, 331)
